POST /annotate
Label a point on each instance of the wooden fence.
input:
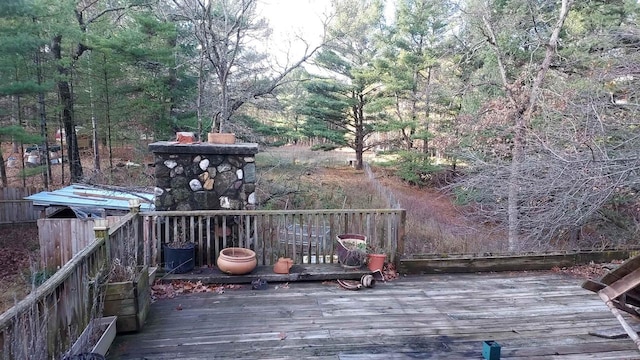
(61, 239)
(306, 236)
(13, 207)
(46, 323)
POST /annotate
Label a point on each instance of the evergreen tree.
(345, 108)
(22, 86)
(410, 67)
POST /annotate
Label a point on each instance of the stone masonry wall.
(204, 176)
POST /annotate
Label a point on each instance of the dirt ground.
(129, 168)
(18, 253)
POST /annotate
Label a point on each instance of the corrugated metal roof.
(94, 197)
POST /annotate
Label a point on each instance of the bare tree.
(522, 99)
(226, 32)
(559, 148)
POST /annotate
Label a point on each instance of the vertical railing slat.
(304, 235)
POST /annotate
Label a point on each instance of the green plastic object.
(491, 350)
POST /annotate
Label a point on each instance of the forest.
(525, 111)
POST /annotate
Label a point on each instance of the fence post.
(401, 234)
(134, 206)
(101, 230)
(134, 209)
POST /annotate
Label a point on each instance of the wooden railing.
(306, 236)
(50, 319)
(47, 321)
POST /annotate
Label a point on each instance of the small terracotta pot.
(376, 261)
(283, 265)
(237, 261)
(221, 138)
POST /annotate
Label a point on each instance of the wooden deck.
(532, 315)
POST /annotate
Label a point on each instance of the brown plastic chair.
(620, 290)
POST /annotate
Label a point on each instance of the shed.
(89, 200)
(69, 212)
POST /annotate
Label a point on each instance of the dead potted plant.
(351, 250)
(376, 257)
(179, 254)
(97, 336)
(128, 295)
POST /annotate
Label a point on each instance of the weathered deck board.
(299, 272)
(532, 315)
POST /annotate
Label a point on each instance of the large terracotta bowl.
(237, 261)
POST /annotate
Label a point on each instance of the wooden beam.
(472, 264)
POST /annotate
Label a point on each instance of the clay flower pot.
(283, 265)
(376, 261)
(237, 261)
(221, 138)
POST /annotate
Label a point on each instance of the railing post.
(134, 209)
(401, 235)
(101, 230)
(134, 206)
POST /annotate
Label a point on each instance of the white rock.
(252, 198)
(204, 164)
(225, 203)
(239, 174)
(170, 163)
(195, 185)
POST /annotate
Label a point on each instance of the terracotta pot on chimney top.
(221, 138)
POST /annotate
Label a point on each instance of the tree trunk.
(43, 124)
(66, 98)
(94, 124)
(513, 208)
(523, 108)
(3, 171)
(200, 94)
(359, 133)
(107, 109)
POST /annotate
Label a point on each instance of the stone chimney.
(204, 176)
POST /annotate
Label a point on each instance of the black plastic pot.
(179, 260)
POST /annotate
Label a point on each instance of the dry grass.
(434, 224)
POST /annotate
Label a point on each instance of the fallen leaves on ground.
(590, 271)
(389, 272)
(170, 290)
(282, 286)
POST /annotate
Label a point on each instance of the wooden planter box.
(129, 301)
(98, 335)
